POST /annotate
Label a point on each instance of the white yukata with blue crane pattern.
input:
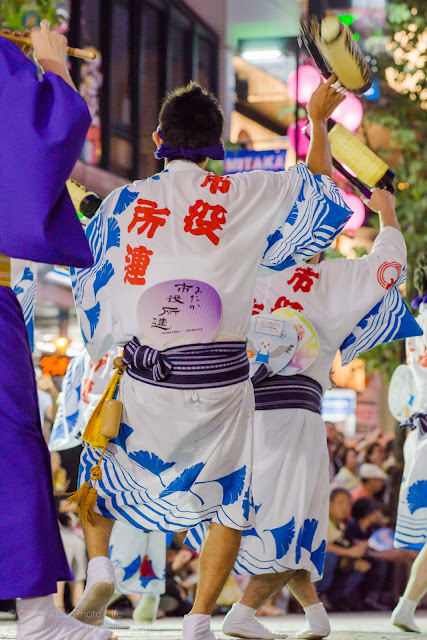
(184, 456)
(290, 483)
(138, 557)
(411, 525)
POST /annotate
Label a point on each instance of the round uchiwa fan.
(308, 342)
(401, 393)
(178, 309)
(334, 50)
(272, 342)
(381, 540)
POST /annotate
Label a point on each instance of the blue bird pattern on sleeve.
(283, 537)
(184, 481)
(152, 463)
(124, 433)
(232, 485)
(417, 496)
(317, 557)
(126, 198)
(132, 568)
(25, 291)
(103, 234)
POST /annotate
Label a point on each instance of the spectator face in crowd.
(373, 478)
(340, 505)
(350, 459)
(367, 514)
(375, 454)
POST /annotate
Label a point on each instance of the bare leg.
(263, 587)
(92, 606)
(417, 583)
(58, 597)
(241, 621)
(303, 589)
(216, 563)
(77, 589)
(97, 535)
(317, 623)
(404, 614)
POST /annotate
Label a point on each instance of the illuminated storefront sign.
(245, 160)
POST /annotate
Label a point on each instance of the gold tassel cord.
(103, 426)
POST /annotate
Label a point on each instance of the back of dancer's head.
(420, 275)
(191, 117)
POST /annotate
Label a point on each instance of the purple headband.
(417, 301)
(216, 151)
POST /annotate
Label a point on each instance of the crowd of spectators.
(362, 570)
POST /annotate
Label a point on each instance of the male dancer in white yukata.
(287, 543)
(411, 525)
(192, 242)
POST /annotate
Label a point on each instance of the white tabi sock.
(38, 619)
(100, 584)
(404, 615)
(146, 609)
(317, 623)
(241, 622)
(197, 627)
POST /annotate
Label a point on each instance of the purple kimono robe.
(42, 129)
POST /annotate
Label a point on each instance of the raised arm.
(384, 203)
(50, 51)
(322, 103)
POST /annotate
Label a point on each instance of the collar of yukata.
(215, 152)
(415, 303)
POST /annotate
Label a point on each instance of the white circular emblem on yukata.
(271, 341)
(179, 309)
(401, 393)
(308, 342)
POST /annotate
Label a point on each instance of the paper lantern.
(349, 113)
(308, 81)
(358, 208)
(303, 141)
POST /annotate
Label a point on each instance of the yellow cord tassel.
(85, 498)
(103, 426)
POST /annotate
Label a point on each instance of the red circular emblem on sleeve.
(388, 273)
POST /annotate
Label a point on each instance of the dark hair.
(65, 519)
(420, 275)
(338, 490)
(346, 452)
(191, 117)
(369, 451)
(363, 507)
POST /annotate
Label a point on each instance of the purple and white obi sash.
(193, 366)
(287, 392)
(416, 421)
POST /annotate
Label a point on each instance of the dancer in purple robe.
(43, 125)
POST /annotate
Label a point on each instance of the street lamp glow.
(261, 55)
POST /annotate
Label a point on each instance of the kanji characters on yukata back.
(217, 183)
(149, 217)
(257, 308)
(204, 219)
(137, 261)
(303, 278)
